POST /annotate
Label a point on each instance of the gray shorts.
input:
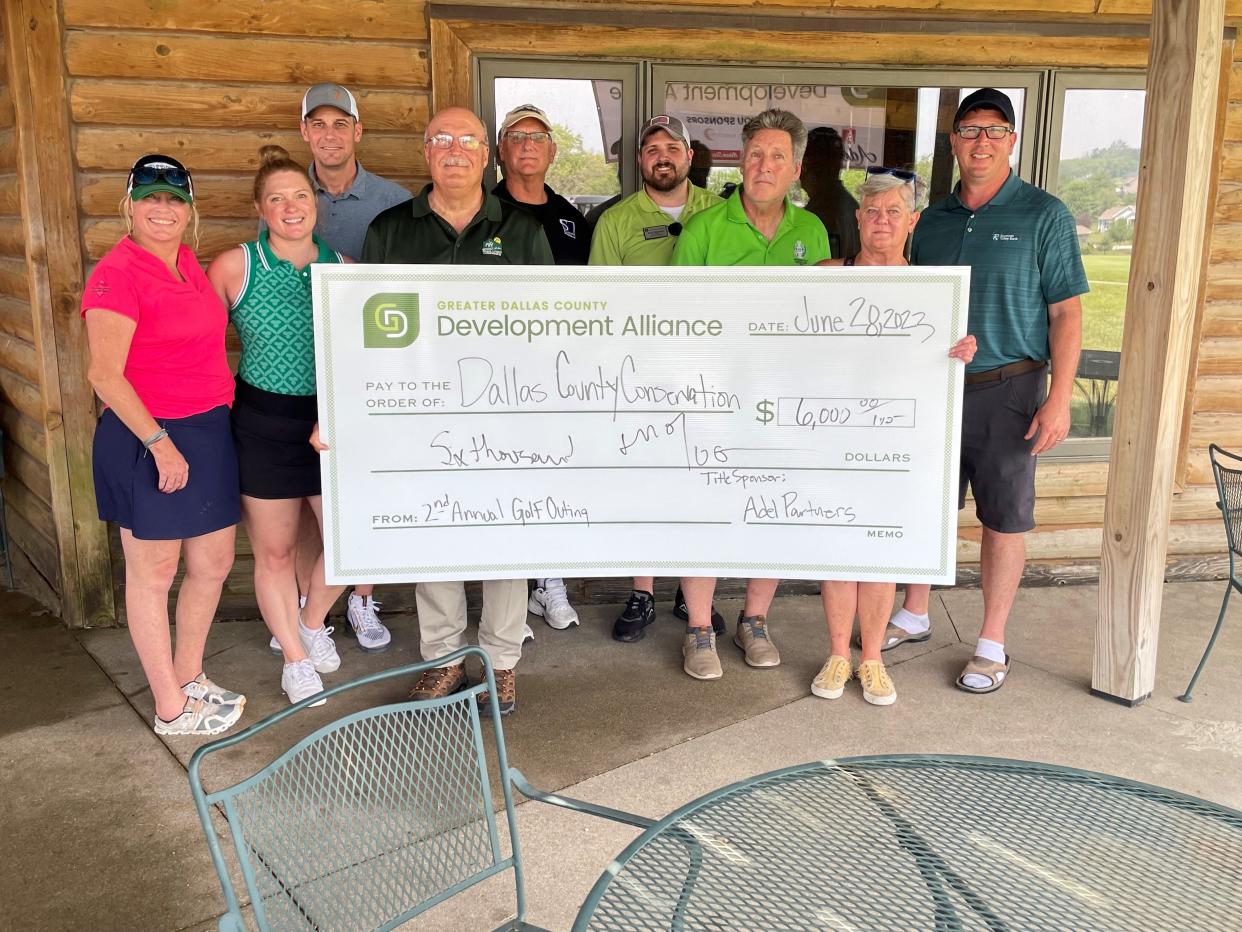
(996, 461)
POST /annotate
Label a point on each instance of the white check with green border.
(492, 423)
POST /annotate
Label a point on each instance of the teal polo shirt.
(1023, 256)
(724, 235)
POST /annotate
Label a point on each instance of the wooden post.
(1165, 277)
(54, 268)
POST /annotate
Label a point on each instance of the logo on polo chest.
(570, 229)
(800, 252)
(492, 247)
(1004, 237)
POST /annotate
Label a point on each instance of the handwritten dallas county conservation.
(493, 422)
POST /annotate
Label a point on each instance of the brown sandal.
(996, 674)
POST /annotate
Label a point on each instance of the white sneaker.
(274, 645)
(300, 681)
(551, 602)
(527, 634)
(320, 647)
(363, 615)
(200, 717)
(202, 688)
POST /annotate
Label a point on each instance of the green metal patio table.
(929, 842)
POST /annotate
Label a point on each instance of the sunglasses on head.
(160, 171)
(900, 173)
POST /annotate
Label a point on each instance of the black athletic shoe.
(639, 612)
(680, 611)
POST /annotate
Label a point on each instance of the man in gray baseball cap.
(349, 196)
(348, 199)
(526, 150)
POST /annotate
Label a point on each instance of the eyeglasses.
(994, 132)
(895, 172)
(160, 171)
(517, 137)
(468, 143)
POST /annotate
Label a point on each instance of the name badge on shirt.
(659, 232)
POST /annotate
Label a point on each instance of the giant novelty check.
(510, 422)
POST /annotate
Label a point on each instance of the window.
(856, 119)
(1078, 136)
(1097, 128)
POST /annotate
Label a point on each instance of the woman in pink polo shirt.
(164, 465)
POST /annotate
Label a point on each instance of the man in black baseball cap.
(986, 98)
(1025, 310)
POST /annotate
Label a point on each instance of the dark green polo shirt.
(1023, 256)
(724, 235)
(501, 233)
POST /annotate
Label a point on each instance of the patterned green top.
(273, 319)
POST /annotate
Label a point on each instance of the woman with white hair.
(887, 216)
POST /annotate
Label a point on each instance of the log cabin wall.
(61, 551)
(211, 82)
(27, 487)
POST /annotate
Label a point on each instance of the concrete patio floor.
(99, 829)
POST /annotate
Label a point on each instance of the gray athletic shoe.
(200, 717)
(699, 658)
(203, 688)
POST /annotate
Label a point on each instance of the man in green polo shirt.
(455, 220)
(1026, 277)
(642, 229)
(757, 225)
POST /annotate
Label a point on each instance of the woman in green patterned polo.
(266, 286)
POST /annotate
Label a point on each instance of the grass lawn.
(1104, 307)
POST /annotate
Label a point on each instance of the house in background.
(1113, 215)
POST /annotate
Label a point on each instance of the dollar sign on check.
(766, 412)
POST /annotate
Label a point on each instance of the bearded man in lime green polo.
(757, 225)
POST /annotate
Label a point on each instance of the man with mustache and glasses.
(642, 229)
(757, 225)
(455, 220)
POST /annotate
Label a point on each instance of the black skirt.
(272, 435)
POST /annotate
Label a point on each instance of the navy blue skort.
(127, 482)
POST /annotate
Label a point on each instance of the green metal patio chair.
(371, 819)
(1227, 470)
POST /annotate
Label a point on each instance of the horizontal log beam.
(230, 106)
(364, 19)
(115, 149)
(175, 56)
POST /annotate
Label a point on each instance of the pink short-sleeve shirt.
(176, 361)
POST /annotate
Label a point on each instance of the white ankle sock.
(908, 621)
(990, 650)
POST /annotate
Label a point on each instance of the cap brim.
(672, 134)
(145, 190)
(509, 124)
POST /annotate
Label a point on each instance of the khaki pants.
(442, 619)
